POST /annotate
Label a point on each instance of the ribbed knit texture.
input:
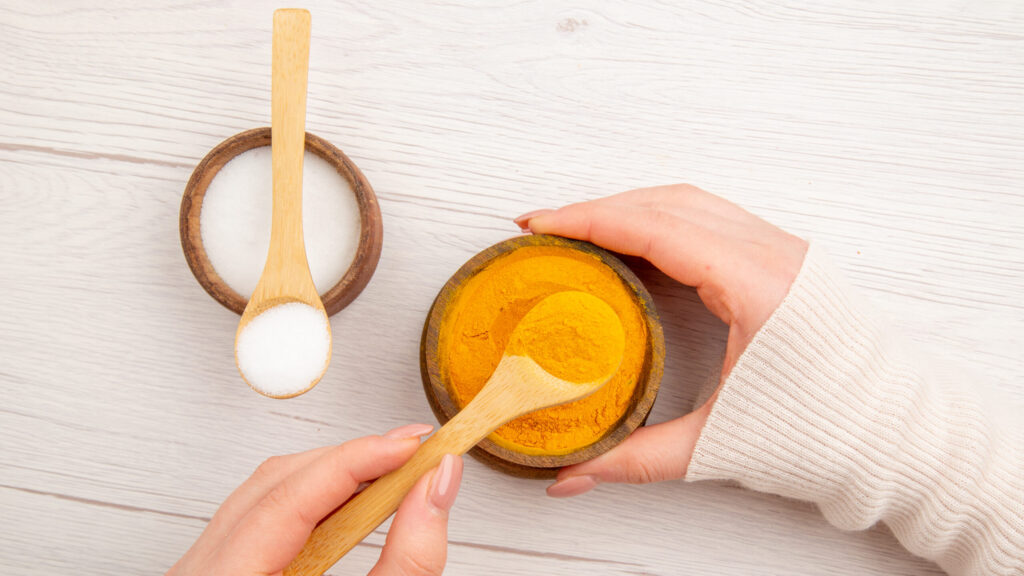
(823, 407)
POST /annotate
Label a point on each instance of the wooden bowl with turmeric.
(473, 316)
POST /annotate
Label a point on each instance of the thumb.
(650, 454)
(417, 544)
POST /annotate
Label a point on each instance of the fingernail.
(409, 431)
(573, 486)
(524, 221)
(444, 486)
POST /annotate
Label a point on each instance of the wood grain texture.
(888, 132)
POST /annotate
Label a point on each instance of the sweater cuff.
(782, 421)
(822, 407)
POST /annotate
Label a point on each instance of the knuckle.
(657, 224)
(643, 471)
(279, 498)
(419, 565)
(340, 458)
(269, 468)
(679, 192)
(661, 219)
(281, 502)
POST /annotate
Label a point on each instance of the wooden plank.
(889, 133)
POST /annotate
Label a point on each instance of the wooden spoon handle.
(350, 524)
(508, 394)
(288, 136)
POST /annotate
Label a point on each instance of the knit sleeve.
(823, 407)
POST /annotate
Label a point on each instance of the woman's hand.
(741, 266)
(265, 522)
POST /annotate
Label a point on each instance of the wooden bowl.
(370, 238)
(507, 459)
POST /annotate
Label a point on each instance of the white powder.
(236, 216)
(283, 350)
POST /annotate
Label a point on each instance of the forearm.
(823, 407)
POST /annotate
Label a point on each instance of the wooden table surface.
(890, 132)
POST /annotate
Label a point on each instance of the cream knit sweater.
(823, 407)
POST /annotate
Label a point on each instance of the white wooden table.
(891, 132)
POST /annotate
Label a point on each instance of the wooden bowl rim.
(504, 458)
(371, 229)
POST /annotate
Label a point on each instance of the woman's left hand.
(265, 522)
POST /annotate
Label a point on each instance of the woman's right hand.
(267, 520)
(741, 266)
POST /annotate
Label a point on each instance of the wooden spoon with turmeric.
(565, 348)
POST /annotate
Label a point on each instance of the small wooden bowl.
(509, 460)
(370, 237)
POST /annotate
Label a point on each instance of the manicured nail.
(573, 486)
(409, 431)
(444, 486)
(524, 220)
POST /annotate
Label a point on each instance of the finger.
(709, 216)
(688, 252)
(417, 544)
(275, 529)
(683, 199)
(651, 454)
(267, 475)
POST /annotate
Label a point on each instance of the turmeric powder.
(573, 336)
(482, 315)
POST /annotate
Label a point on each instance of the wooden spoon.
(519, 385)
(286, 277)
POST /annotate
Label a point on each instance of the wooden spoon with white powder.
(283, 343)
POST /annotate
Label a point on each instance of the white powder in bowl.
(283, 350)
(236, 215)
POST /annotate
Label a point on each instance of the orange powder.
(485, 310)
